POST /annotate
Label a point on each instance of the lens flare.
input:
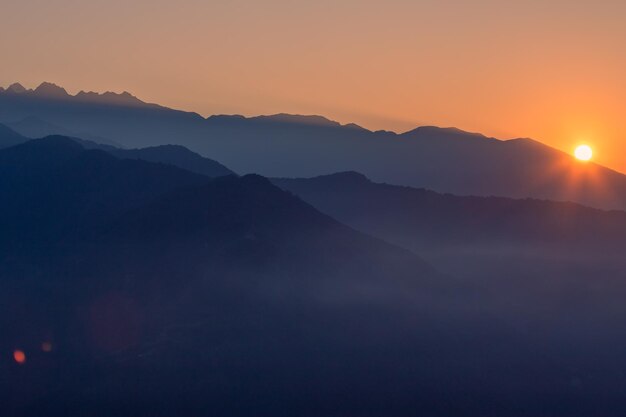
(19, 356)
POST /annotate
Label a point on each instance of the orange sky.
(551, 70)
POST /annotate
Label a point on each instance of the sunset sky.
(551, 70)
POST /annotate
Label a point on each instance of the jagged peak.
(16, 88)
(47, 89)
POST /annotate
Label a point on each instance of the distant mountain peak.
(313, 120)
(450, 131)
(47, 89)
(354, 126)
(16, 88)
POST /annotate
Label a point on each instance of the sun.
(583, 153)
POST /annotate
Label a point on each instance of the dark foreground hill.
(161, 290)
(445, 160)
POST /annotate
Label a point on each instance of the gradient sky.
(551, 70)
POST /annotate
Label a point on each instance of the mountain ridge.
(51, 90)
(48, 90)
(161, 291)
(419, 218)
(446, 160)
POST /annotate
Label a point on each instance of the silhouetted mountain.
(15, 88)
(51, 91)
(34, 128)
(54, 183)
(93, 185)
(445, 160)
(296, 119)
(175, 155)
(142, 271)
(419, 218)
(124, 99)
(9, 137)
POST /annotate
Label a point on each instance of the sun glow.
(583, 153)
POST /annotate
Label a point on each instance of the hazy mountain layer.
(135, 271)
(175, 155)
(445, 160)
(137, 288)
(419, 218)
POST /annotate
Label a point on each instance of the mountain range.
(164, 291)
(188, 283)
(441, 159)
(149, 279)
